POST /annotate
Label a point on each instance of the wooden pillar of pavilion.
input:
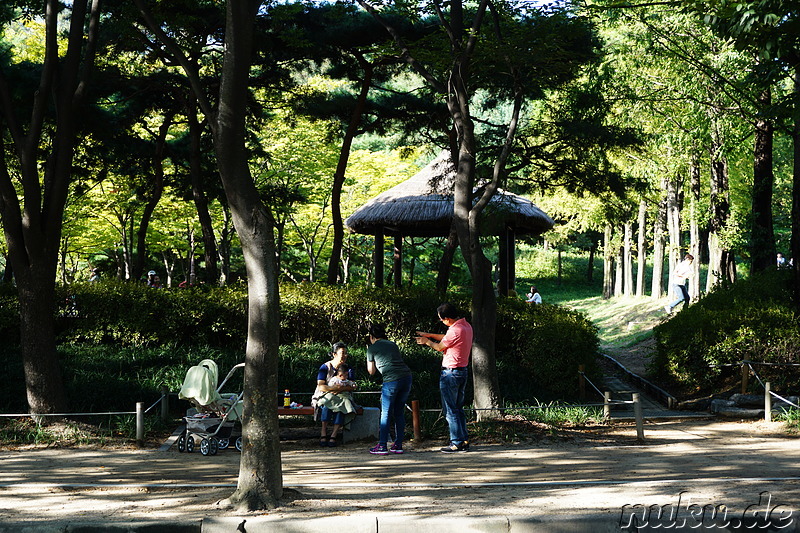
(378, 260)
(397, 257)
(507, 258)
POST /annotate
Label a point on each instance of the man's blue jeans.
(452, 384)
(393, 403)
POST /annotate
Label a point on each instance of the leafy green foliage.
(127, 341)
(133, 315)
(751, 320)
(539, 349)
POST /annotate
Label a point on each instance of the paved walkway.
(598, 483)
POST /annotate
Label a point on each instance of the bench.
(364, 426)
(306, 410)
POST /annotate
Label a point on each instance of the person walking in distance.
(682, 271)
(455, 346)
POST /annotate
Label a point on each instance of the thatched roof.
(423, 206)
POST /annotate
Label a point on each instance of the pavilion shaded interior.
(422, 206)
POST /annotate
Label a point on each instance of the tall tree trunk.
(199, 196)
(642, 247)
(446, 264)
(694, 228)
(674, 221)
(590, 266)
(619, 270)
(628, 253)
(608, 264)
(762, 235)
(720, 257)
(33, 230)
(341, 170)
(156, 190)
(224, 248)
(659, 224)
(260, 482)
(795, 238)
(463, 40)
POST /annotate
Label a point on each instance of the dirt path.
(601, 471)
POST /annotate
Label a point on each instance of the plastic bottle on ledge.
(287, 398)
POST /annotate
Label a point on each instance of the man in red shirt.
(456, 346)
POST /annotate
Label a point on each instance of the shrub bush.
(127, 340)
(750, 320)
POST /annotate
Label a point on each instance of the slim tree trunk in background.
(795, 238)
(199, 196)
(608, 264)
(642, 247)
(224, 247)
(156, 189)
(674, 221)
(721, 262)
(628, 253)
(762, 235)
(619, 268)
(590, 266)
(694, 228)
(446, 264)
(341, 171)
(657, 290)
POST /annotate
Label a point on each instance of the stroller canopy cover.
(200, 383)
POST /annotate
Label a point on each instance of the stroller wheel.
(238, 444)
(209, 446)
(224, 443)
(189, 443)
(182, 442)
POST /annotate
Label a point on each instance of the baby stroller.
(215, 416)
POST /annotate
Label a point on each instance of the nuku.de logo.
(686, 513)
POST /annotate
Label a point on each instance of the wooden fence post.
(767, 402)
(415, 420)
(164, 403)
(745, 376)
(139, 424)
(637, 413)
(606, 405)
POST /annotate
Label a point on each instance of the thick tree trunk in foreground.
(260, 482)
(32, 224)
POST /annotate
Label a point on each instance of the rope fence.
(768, 393)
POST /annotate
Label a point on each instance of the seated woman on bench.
(327, 406)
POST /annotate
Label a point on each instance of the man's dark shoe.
(454, 448)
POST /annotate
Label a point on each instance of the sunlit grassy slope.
(622, 321)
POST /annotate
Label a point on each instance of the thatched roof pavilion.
(422, 206)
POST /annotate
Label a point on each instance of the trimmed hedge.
(126, 339)
(750, 320)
